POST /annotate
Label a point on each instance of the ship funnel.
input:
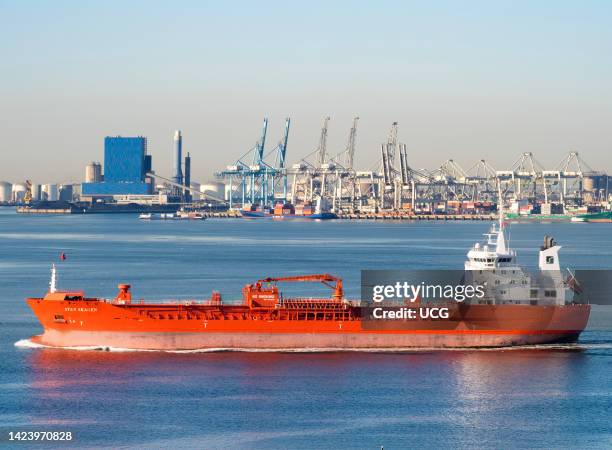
(549, 255)
(549, 242)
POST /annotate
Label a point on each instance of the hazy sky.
(465, 80)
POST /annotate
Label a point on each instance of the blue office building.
(126, 164)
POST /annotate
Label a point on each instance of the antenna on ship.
(53, 281)
(500, 205)
(501, 246)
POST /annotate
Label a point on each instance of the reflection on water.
(486, 386)
(267, 398)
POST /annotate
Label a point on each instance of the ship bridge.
(493, 253)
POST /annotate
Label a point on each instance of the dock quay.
(415, 217)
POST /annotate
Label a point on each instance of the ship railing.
(315, 303)
(311, 299)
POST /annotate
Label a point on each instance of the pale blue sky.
(465, 80)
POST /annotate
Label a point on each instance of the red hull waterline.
(173, 341)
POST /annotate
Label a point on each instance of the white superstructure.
(494, 265)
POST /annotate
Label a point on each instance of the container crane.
(259, 174)
(350, 146)
(322, 148)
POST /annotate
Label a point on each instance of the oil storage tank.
(93, 172)
(195, 190)
(6, 190)
(590, 183)
(36, 192)
(214, 188)
(66, 192)
(51, 192)
(19, 191)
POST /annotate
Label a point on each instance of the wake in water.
(28, 343)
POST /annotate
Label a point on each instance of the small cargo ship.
(320, 211)
(265, 319)
(598, 217)
(256, 212)
(179, 215)
(539, 217)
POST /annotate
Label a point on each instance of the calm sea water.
(557, 397)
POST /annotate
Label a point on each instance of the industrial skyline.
(169, 154)
(464, 81)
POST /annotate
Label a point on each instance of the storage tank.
(606, 184)
(51, 192)
(19, 191)
(214, 188)
(36, 192)
(6, 191)
(195, 189)
(589, 184)
(93, 172)
(65, 192)
(76, 191)
(226, 194)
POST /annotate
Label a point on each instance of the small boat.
(538, 217)
(321, 211)
(256, 212)
(190, 215)
(157, 216)
(603, 216)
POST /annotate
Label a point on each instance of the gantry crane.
(262, 176)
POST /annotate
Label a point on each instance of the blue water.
(553, 397)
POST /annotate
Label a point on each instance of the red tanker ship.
(265, 320)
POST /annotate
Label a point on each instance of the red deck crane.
(328, 280)
(268, 295)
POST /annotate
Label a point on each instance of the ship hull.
(600, 217)
(169, 341)
(255, 214)
(190, 327)
(539, 217)
(319, 216)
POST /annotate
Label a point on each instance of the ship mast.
(53, 281)
(500, 205)
(501, 247)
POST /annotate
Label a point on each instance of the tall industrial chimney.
(178, 156)
(187, 194)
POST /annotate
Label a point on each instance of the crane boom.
(322, 149)
(328, 280)
(350, 146)
(258, 156)
(282, 147)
